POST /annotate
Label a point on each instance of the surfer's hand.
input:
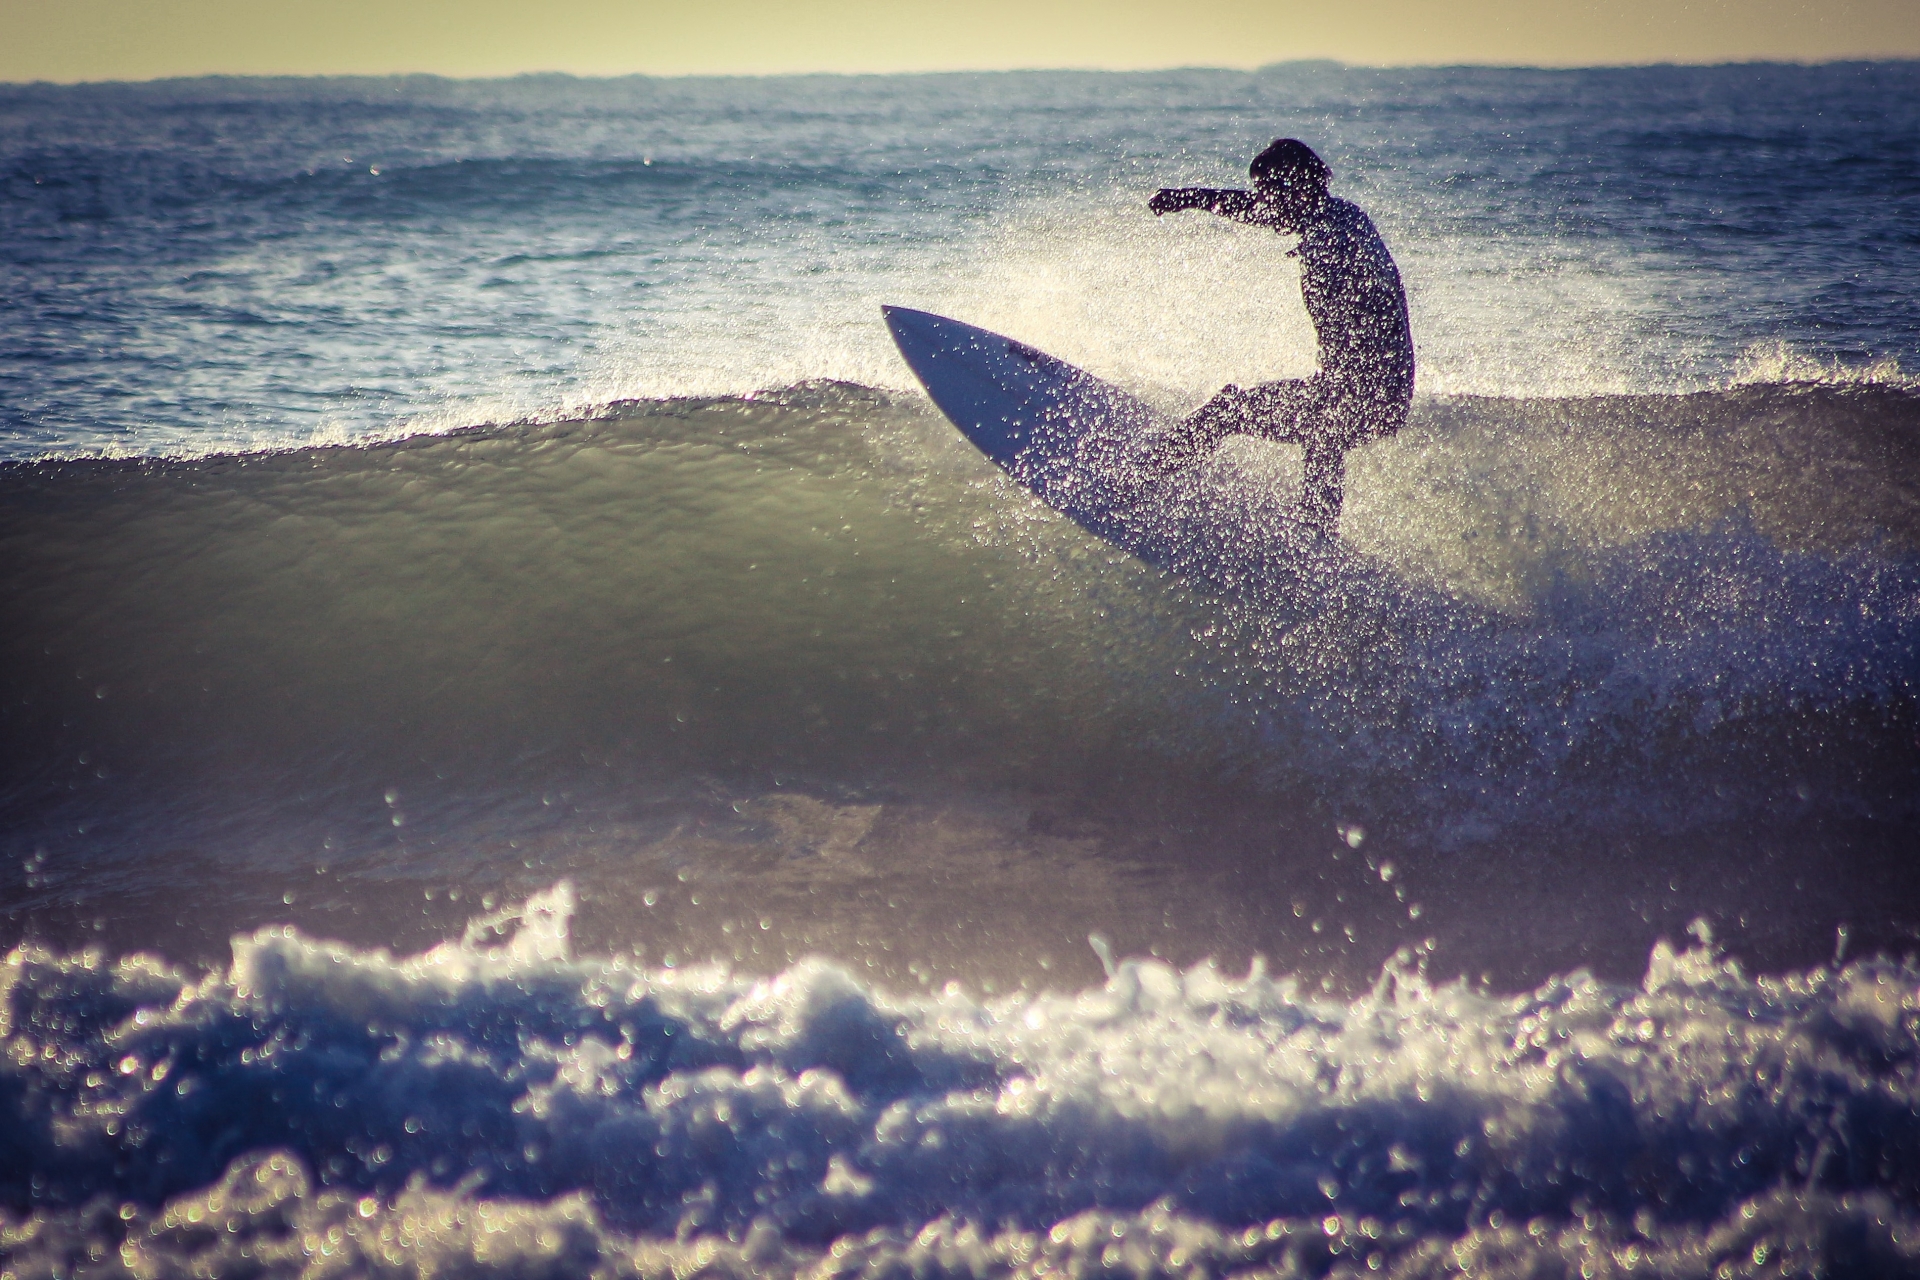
(1172, 200)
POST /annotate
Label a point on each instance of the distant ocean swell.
(220, 265)
(493, 1106)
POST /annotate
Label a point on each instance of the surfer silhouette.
(1359, 310)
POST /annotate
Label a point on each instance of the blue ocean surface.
(201, 265)
(528, 746)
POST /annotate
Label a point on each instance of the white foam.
(1783, 362)
(500, 1081)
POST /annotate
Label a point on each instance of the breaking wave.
(1655, 650)
(494, 1106)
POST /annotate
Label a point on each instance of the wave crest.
(1782, 364)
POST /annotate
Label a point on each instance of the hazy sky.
(140, 39)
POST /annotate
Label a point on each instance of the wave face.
(493, 1106)
(1600, 666)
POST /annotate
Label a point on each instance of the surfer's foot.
(1195, 436)
(1319, 526)
(1177, 450)
(1323, 488)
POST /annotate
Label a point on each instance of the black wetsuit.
(1359, 310)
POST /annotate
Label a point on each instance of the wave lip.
(589, 1110)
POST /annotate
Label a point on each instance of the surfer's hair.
(1289, 161)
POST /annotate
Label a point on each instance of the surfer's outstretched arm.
(1228, 202)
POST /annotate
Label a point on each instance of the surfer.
(1359, 310)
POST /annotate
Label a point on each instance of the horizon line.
(926, 73)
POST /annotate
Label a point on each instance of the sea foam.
(495, 1104)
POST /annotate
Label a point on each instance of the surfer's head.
(1290, 172)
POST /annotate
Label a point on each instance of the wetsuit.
(1359, 310)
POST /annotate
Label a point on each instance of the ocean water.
(527, 746)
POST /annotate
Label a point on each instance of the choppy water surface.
(526, 746)
(207, 265)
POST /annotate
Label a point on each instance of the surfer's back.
(1353, 294)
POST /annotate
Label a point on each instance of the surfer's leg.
(1282, 411)
(1323, 487)
(1195, 436)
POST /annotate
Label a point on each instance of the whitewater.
(527, 746)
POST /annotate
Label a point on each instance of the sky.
(73, 40)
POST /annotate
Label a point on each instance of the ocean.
(529, 747)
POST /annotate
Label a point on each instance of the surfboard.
(1081, 444)
(1086, 448)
